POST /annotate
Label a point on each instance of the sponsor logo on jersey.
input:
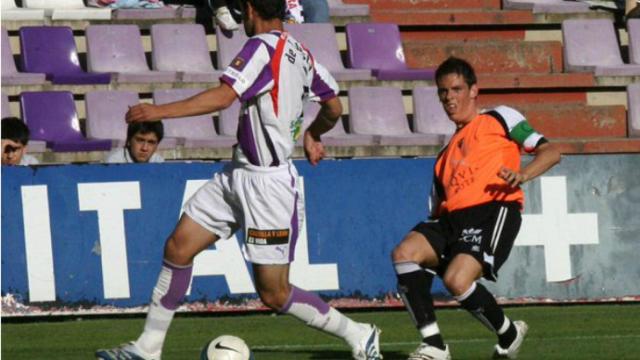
(471, 235)
(268, 237)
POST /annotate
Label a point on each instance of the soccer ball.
(226, 347)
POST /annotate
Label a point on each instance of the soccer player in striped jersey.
(475, 213)
(259, 190)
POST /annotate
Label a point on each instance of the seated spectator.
(223, 15)
(126, 4)
(294, 12)
(143, 139)
(315, 11)
(15, 136)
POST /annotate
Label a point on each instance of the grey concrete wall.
(580, 237)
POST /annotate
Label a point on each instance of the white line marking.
(452, 341)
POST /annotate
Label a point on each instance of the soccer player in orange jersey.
(475, 213)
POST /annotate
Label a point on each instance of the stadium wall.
(80, 239)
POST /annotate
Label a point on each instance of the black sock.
(414, 286)
(483, 306)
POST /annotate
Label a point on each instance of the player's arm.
(328, 116)
(546, 156)
(205, 102)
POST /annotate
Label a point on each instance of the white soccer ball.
(226, 347)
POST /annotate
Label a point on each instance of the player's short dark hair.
(454, 65)
(267, 9)
(15, 129)
(155, 127)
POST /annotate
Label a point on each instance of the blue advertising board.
(87, 235)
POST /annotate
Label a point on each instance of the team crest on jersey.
(238, 63)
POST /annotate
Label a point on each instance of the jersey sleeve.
(517, 128)
(249, 74)
(323, 86)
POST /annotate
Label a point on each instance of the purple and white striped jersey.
(273, 75)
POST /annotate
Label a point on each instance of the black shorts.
(486, 232)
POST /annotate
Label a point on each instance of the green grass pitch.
(556, 332)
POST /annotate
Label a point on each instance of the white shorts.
(264, 201)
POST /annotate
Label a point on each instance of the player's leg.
(413, 260)
(187, 240)
(481, 253)
(207, 217)
(272, 284)
(273, 209)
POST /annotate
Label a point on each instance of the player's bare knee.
(274, 299)
(456, 283)
(404, 252)
(175, 253)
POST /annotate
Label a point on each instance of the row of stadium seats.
(53, 118)
(76, 10)
(180, 53)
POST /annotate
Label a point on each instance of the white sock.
(155, 329)
(171, 287)
(309, 308)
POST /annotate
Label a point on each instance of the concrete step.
(560, 81)
(512, 56)
(428, 4)
(598, 145)
(576, 120)
(475, 17)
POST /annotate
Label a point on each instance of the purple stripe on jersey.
(247, 141)
(228, 80)
(300, 296)
(294, 230)
(248, 50)
(266, 75)
(180, 278)
(321, 88)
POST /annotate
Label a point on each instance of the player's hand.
(143, 112)
(313, 148)
(513, 178)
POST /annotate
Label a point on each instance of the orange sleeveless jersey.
(468, 167)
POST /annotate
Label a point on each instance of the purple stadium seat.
(229, 118)
(10, 75)
(633, 101)
(166, 12)
(321, 40)
(6, 109)
(229, 45)
(379, 47)
(183, 48)
(34, 146)
(118, 49)
(338, 8)
(633, 29)
(336, 136)
(592, 45)
(51, 117)
(547, 6)
(105, 117)
(429, 116)
(197, 131)
(52, 50)
(386, 119)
